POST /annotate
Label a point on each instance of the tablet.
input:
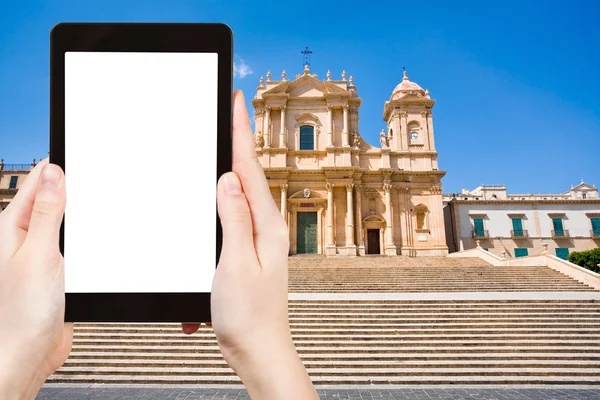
(140, 121)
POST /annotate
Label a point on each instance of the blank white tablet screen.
(140, 168)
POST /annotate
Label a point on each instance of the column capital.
(329, 107)
(284, 187)
(349, 187)
(329, 186)
(436, 189)
(387, 186)
(404, 114)
(346, 107)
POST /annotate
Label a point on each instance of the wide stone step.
(336, 380)
(379, 332)
(368, 348)
(346, 358)
(339, 364)
(388, 372)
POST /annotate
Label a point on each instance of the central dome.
(406, 86)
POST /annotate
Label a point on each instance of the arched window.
(307, 137)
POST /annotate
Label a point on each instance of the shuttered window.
(517, 224)
(521, 252)
(478, 225)
(596, 226)
(562, 253)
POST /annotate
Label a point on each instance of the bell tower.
(410, 125)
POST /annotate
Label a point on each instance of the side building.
(516, 225)
(11, 178)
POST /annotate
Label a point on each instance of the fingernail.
(232, 184)
(50, 176)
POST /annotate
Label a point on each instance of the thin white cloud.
(241, 69)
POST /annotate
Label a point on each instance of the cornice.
(570, 201)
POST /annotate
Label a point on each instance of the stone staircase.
(368, 342)
(318, 274)
(469, 334)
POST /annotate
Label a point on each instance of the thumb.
(234, 212)
(47, 211)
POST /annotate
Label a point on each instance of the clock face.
(414, 136)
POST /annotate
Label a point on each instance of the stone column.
(329, 238)
(390, 247)
(330, 133)
(359, 231)
(284, 189)
(282, 130)
(404, 128)
(345, 140)
(350, 216)
(424, 129)
(266, 130)
(430, 131)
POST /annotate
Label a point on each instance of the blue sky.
(517, 83)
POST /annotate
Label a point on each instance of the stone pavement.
(441, 393)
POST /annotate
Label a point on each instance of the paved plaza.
(425, 393)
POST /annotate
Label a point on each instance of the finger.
(188, 329)
(269, 227)
(238, 240)
(16, 216)
(251, 173)
(47, 212)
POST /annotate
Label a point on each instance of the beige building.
(516, 225)
(338, 194)
(11, 178)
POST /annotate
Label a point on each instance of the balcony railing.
(595, 233)
(519, 234)
(15, 167)
(477, 234)
(563, 234)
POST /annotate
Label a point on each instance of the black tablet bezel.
(141, 37)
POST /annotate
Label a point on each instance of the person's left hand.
(34, 340)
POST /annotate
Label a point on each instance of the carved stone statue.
(259, 140)
(306, 193)
(383, 139)
(355, 139)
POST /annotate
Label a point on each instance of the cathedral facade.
(339, 194)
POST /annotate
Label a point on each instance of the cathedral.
(339, 194)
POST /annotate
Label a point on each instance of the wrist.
(18, 379)
(270, 368)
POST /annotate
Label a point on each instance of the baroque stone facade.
(338, 194)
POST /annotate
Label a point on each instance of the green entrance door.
(307, 233)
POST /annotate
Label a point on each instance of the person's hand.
(249, 300)
(34, 340)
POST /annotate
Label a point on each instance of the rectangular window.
(517, 224)
(307, 137)
(596, 226)
(478, 225)
(13, 182)
(562, 252)
(557, 223)
(521, 252)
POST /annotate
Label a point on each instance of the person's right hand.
(249, 301)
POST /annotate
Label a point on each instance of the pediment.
(307, 89)
(583, 187)
(306, 86)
